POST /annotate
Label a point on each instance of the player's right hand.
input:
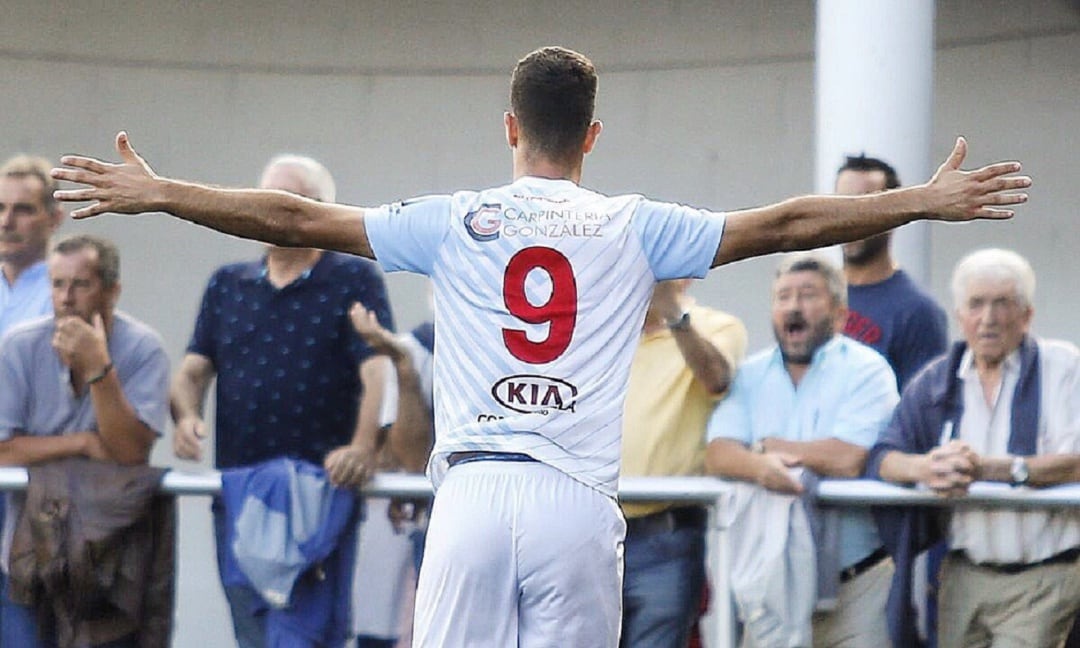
(188, 435)
(129, 187)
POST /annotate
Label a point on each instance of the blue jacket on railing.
(292, 537)
(930, 408)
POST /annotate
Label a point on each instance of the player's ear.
(511, 125)
(591, 135)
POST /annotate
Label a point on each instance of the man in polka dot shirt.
(293, 377)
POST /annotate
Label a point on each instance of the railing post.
(720, 630)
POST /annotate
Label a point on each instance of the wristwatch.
(681, 324)
(1018, 472)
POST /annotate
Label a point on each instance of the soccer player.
(540, 290)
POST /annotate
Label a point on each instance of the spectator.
(111, 400)
(407, 417)
(889, 312)
(293, 377)
(1001, 406)
(684, 363)
(886, 309)
(818, 400)
(409, 402)
(28, 216)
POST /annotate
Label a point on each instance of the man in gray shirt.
(89, 381)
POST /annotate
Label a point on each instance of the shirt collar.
(31, 274)
(966, 368)
(257, 271)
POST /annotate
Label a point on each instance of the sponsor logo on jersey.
(484, 224)
(553, 223)
(533, 394)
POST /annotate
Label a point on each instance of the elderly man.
(110, 401)
(818, 399)
(1001, 406)
(293, 379)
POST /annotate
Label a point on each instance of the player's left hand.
(957, 195)
(130, 187)
(349, 466)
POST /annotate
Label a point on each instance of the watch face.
(1019, 471)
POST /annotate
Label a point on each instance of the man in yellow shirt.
(684, 363)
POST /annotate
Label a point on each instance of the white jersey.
(541, 288)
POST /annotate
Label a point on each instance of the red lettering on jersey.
(862, 328)
(559, 312)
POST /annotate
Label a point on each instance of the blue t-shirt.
(287, 360)
(899, 321)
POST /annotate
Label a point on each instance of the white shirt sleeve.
(407, 235)
(679, 241)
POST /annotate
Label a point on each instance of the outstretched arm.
(815, 221)
(132, 187)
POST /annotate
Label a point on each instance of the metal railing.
(832, 495)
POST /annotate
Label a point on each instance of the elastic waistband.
(458, 458)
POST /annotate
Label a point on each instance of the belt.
(458, 458)
(1067, 556)
(864, 565)
(666, 521)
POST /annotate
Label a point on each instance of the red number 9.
(560, 310)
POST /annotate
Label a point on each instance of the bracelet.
(101, 376)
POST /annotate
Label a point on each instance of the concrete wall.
(704, 103)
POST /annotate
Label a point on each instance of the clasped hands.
(949, 469)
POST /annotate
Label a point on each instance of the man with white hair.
(1001, 406)
(293, 377)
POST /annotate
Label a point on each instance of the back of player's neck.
(873, 272)
(539, 166)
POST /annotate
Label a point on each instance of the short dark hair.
(32, 166)
(108, 255)
(553, 95)
(810, 262)
(863, 163)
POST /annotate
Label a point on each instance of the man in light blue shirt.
(817, 400)
(28, 216)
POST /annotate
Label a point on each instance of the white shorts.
(520, 554)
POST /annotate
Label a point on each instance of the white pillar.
(874, 81)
